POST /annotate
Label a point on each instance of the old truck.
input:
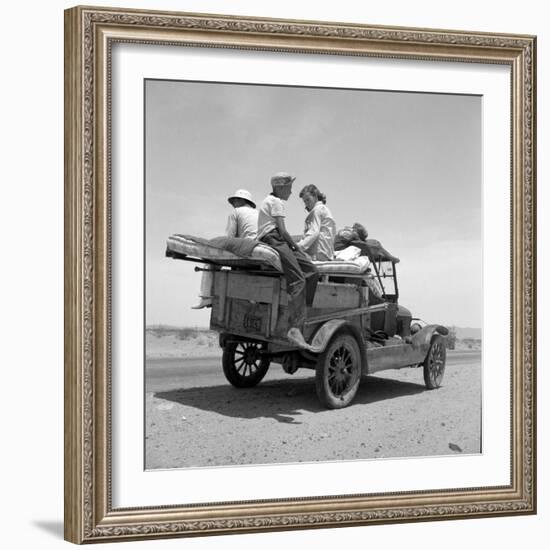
(354, 328)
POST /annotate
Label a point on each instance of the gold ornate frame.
(89, 35)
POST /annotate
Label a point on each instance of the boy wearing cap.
(301, 275)
(242, 223)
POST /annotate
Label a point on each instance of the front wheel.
(434, 364)
(243, 364)
(338, 371)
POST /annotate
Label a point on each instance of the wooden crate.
(254, 288)
(257, 306)
(337, 296)
(249, 305)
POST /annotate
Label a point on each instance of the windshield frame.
(380, 275)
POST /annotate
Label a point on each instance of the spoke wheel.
(243, 364)
(434, 364)
(338, 371)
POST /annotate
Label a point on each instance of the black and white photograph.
(300, 275)
(313, 274)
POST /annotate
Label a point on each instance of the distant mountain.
(467, 332)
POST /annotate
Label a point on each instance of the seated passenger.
(242, 223)
(243, 220)
(320, 229)
(346, 235)
(300, 273)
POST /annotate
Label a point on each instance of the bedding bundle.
(231, 251)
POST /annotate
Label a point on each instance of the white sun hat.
(242, 194)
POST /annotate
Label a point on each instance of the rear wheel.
(434, 364)
(338, 371)
(243, 364)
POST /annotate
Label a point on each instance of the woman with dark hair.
(318, 239)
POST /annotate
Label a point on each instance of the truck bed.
(256, 305)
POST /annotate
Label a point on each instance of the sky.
(405, 165)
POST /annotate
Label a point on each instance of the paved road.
(174, 373)
(194, 417)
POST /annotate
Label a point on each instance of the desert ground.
(195, 418)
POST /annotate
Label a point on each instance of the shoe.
(296, 337)
(205, 302)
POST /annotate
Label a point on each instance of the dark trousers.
(301, 277)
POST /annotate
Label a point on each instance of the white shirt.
(242, 222)
(272, 207)
(319, 232)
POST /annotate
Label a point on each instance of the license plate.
(252, 323)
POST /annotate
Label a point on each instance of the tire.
(338, 371)
(434, 364)
(243, 365)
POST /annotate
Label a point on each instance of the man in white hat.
(300, 273)
(242, 223)
(243, 220)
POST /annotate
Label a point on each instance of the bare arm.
(280, 221)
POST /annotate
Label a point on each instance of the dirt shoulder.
(207, 422)
(168, 342)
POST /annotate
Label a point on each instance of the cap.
(282, 178)
(242, 194)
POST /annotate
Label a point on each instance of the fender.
(324, 335)
(423, 338)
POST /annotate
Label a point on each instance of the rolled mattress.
(260, 254)
(200, 249)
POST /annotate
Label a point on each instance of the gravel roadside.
(281, 420)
